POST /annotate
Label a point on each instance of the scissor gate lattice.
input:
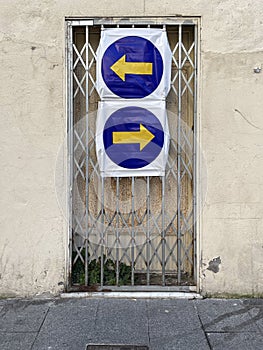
(138, 232)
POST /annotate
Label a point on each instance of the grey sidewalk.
(70, 324)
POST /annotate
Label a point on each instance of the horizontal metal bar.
(173, 20)
(152, 288)
(80, 22)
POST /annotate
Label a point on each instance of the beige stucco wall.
(33, 238)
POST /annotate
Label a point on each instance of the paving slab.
(68, 326)
(17, 341)
(256, 312)
(172, 316)
(174, 324)
(234, 341)
(226, 315)
(193, 340)
(23, 315)
(121, 322)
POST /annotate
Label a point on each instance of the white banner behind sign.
(133, 63)
(132, 138)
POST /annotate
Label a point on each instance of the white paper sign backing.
(133, 63)
(132, 138)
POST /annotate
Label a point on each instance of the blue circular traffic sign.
(133, 137)
(132, 67)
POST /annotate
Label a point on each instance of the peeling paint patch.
(54, 65)
(214, 264)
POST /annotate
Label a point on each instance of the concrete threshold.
(133, 295)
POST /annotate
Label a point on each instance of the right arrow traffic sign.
(133, 64)
(132, 140)
(141, 137)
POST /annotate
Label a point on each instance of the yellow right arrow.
(143, 137)
(121, 68)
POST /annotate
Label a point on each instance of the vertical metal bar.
(87, 158)
(102, 220)
(194, 154)
(133, 233)
(148, 229)
(117, 228)
(70, 145)
(179, 156)
(163, 231)
(102, 231)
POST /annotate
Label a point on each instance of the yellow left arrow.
(122, 67)
(143, 137)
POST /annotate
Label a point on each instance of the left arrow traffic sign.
(122, 67)
(143, 137)
(133, 63)
(132, 67)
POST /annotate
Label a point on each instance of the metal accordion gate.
(131, 233)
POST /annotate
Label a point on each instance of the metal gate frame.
(180, 22)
